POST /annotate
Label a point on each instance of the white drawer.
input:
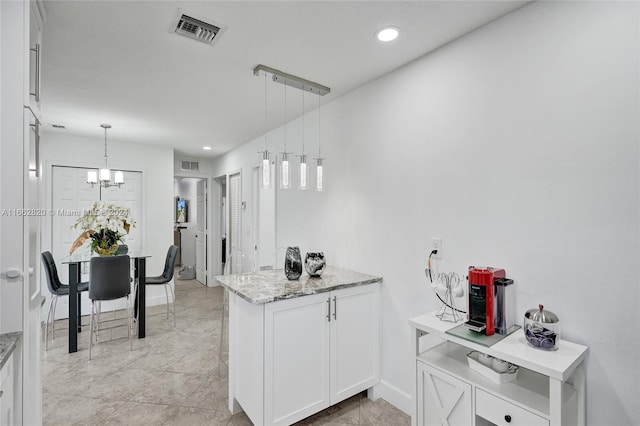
(504, 413)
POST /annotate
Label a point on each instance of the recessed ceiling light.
(206, 148)
(387, 33)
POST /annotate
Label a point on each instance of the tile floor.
(172, 377)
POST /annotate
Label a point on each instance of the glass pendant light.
(266, 162)
(303, 157)
(319, 159)
(285, 167)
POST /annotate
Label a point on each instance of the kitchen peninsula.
(298, 347)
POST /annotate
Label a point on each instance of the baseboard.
(394, 396)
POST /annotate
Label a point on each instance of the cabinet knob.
(507, 418)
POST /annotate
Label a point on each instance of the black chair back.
(109, 277)
(170, 263)
(53, 281)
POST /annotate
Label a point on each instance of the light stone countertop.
(8, 342)
(271, 286)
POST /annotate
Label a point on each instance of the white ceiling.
(117, 62)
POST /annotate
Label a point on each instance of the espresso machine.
(491, 303)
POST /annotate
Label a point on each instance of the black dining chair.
(165, 279)
(109, 279)
(57, 289)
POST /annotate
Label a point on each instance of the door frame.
(209, 248)
(216, 233)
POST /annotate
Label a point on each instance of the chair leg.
(173, 298)
(166, 293)
(53, 318)
(91, 328)
(99, 309)
(46, 324)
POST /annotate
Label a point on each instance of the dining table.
(74, 262)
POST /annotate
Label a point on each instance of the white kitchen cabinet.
(549, 389)
(355, 341)
(7, 403)
(445, 400)
(297, 365)
(292, 358)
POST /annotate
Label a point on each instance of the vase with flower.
(105, 225)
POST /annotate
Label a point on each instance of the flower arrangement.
(106, 225)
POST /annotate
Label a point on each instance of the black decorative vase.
(293, 263)
(314, 264)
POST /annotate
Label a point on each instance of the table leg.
(142, 295)
(555, 402)
(74, 303)
(79, 312)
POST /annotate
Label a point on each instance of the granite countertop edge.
(263, 299)
(8, 343)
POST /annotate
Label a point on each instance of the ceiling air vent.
(196, 28)
(189, 165)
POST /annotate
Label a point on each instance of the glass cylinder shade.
(285, 172)
(319, 174)
(266, 170)
(303, 172)
(105, 175)
(118, 177)
(92, 176)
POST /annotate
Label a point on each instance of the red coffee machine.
(489, 304)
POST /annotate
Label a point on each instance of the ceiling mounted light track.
(285, 175)
(292, 80)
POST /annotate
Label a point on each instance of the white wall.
(187, 188)
(517, 145)
(156, 164)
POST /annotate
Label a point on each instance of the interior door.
(71, 195)
(202, 232)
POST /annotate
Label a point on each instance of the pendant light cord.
(265, 112)
(303, 89)
(319, 151)
(285, 117)
(106, 165)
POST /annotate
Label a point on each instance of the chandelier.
(104, 174)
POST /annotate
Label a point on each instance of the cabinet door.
(442, 399)
(296, 358)
(6, 394)
(355, 341)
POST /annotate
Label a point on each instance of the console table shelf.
(549, 390)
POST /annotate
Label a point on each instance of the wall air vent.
(196, 28)
(189, 165)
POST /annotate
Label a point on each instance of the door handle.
(36, 92)
(335, 307)
(329, 309)
(13, 273)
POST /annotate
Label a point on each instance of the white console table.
(549, 390)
